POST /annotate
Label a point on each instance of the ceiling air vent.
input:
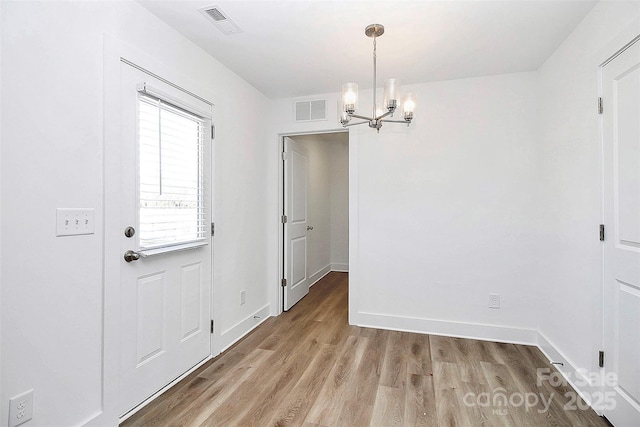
(220, 19)
(306, 111)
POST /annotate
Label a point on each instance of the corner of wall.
(236, 332)
(587, 383)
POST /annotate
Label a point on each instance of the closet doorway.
(315, 211)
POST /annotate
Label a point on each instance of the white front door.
(165, 284)
(621, 139)
(296, 177)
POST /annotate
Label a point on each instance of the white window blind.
(171, 184)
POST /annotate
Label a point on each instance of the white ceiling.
(298, 48)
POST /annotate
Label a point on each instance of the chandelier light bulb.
(409, 105)
(343, 116)
(391, 92)
(350, 97)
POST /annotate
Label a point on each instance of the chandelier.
(348, 104)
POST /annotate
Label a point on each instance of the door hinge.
(283, 219)
(601, 359)
(602, 232)
(213, 131)
(600, 108)
(284, 155)
(213, 229)
(211, 325)
(284, 282)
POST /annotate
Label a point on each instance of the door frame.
(280, 206)
(114, 51)
(626, 42)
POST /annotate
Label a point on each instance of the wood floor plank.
(449, 410)
(310, 368)
(357, 408)
(264, 390)
(298, 402)
(334, 393)
(388, 409)
(394, 368)
(442, 349)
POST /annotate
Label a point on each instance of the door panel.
(621, 148)
(191, 301)
(298, 261)
(299, 164)
(626, 86)
(150, 317)
(165, 295)
(295, 258)
(629, 339)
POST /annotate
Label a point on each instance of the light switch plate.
(75, 221)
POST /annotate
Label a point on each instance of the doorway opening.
(314, 203)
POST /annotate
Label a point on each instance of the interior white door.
(296, 177)
(621, 126)
(165, 301)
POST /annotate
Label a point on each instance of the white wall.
(339, 176)
(570, 259)
(1, 394)
(52, 145)
(446, 210)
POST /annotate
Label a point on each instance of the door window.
(171, 193)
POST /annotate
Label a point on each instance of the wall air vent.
(307, 111)
(220, 19)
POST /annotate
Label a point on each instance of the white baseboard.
(340, 267)
(242, 328)
(447, 328)
(584, 385)
(315, 277)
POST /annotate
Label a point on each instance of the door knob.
(309, 227)
(131, 256)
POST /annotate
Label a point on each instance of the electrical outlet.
(21, 408)
(243, 297)
(494, 300)
(72, 222)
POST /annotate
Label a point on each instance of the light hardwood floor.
(308, 367)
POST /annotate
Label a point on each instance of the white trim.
(315, 277)
(340, 267)
(448, 328)
(354, 230)
(236, 332)
(167, 249)
(571, 373)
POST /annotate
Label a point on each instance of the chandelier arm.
(354, 124)
(388, 113)
(395, 121)
(361, 117)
